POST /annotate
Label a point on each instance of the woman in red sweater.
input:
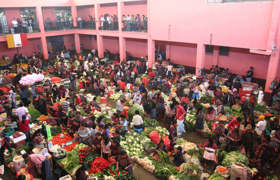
(24, 127)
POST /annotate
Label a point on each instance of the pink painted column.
(120, 14)
(77, 43)
(168, 51)
(216, 55)
(100, 47)
(96, 13)
(274, 24)
(122, 41)
(74, 14)
(200, 57)
(39, 16)
(122, 45)
(151, 52)
(272, 69)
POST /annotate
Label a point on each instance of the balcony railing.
(50, 26)
(114, 26)
(86, 25)
(4, 29)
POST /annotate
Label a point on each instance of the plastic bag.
(154, 136)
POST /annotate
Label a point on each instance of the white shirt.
(119, 106)
(21, 111)
(137, 120)
(261, 126)
(14, 23)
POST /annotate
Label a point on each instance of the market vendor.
(125, 163)
(137, 122)
(115, 149)
(97, 143)
(84, 134)
(178, 156)
(34, 163)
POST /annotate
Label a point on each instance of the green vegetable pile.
(34, 113)
(190, 169)
(163, 171)
(115, 96)
(162, 131)
(71, 161)
(233, 157)
(132, 143)
(131, 111)
(216, 176)
(150, 122)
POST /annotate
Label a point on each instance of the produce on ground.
(233, 157)
(71, 161)
(34, 113)
(216, 176)
(132, 143)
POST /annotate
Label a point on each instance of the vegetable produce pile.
(132, 144)
(83, 153)
(163, 171)
(131, 111)
(146, 163)
(61, 138)
(71, 146)
(115, 96)
(190, 168)
(216, 176)
(34, 113)
(233, 157)
(71, 161)
(98, 165)
(150, 122)
(162, 131)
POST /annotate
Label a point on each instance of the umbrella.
(55, 79)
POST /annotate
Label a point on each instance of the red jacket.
(24, 127)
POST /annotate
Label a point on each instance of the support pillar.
(96, 15)
(40, 20)
(200, 58)
(168, 51)
(44, 47)
(120, 14)
(74, 15)
(122, 45)
(216, 55)
(100, 47)
(151, 52)
(272, 70)
(77, 43)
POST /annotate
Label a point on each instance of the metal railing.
(4, 29)
(50, 26)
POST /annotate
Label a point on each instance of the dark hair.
(239, 119)
(98, 134)
(179, 148)
(23, 118)
(137, 112)
(21, 177)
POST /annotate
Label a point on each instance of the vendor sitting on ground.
(124, 163)
(162, 146)
(178, 156)
(84, 135)
(137, 122)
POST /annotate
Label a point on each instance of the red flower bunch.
(71, 146)
(61, 140)
(98, 165)
(83, 153)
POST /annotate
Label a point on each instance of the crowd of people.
(86, 24)
(135, 23)
(109, 22)
(63, 21)
(257, 136)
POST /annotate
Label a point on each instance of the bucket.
(18, 162)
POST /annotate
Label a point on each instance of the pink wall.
(184, 54)
(85, 11)
(133, 8)
(12, 13)
(239, 61)
(26, 50)
(111, 9)
(49, 13)
(68, 41)
(244, 25)
(112, 44)
(88, 42)
(136, 48)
